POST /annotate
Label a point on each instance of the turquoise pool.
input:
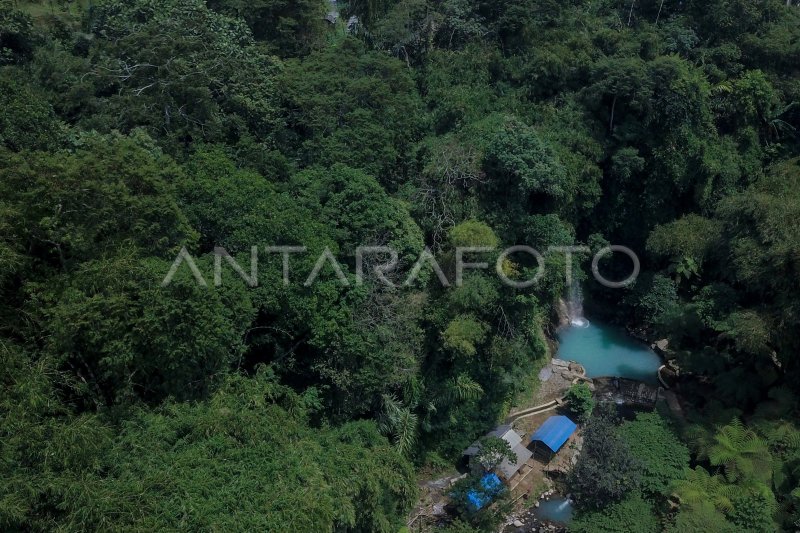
(558, 510)
(608, 351)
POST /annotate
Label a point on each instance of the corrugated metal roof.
(508, 468)
(555, 432)
(501, 432)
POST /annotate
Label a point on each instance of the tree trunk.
(661, 6)
(611, 121)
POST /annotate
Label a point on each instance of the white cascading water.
(575, 307)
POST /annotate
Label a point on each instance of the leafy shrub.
(580, 401)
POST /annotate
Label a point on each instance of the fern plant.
(742, 454)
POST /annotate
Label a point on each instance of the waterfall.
(575, 306)
(575, 301)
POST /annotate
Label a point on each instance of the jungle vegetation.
(131, 129)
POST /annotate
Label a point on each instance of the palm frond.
(464, 388)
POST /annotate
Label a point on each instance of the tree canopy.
(200, 330)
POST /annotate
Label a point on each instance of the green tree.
(652, 297)
(47, 448)
(205, 465)
(115, 326)
(492, 452)
(631, 515)
(606, 470)
(691, 237)
(27, 120)
(16, 34)
(347, 105)
(111, 194)
(360, 211)
(662, 456)
(473, 233)
(520, 158)
(580, 401)
(178, 69)
(759, 245)
(463, 336)
(289, 27)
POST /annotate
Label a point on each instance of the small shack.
(490, 487)
(506, 468)
(552, 435)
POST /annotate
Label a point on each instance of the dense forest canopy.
(133, 129)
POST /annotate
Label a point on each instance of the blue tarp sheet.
(491, 485)
(555, 432)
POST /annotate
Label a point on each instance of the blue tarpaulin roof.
(555, 432)
(491, 485)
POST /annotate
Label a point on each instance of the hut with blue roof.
(552, 435)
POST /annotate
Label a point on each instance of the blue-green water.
(555, 510)
(605, 351)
